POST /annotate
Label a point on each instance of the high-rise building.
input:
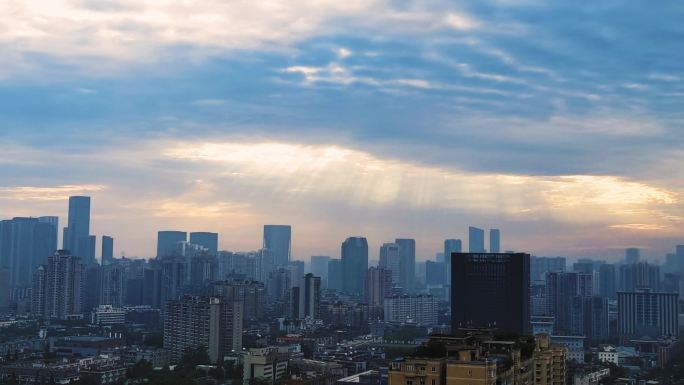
(297, 269)
(278, 239)
(25, 243)
(589, 318)
(91, 276)
(306, 298)
(606, 281)
(77, 237)
(173, 278)
(335, 274)
(62, 285)
(561, 288)
(38, 292)
(419, 309)
(113, 285)
(319, 268)
(435, 273)
(451, 246)
(167, 242)
(252, 294)
(491, 289)
(391, 260)
(647, 313)
(107, 249)
(632, 255)
(354, 265)
(639, 275)
(476, 240)
(494, 240)
(407, 263)
(539, 266)
(279, 285)
(206, 240)
(378, 285)
(208, 322)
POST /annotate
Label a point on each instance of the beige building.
(549, 362)
(418, 371)
(266, 363)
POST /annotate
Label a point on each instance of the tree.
(141, 369)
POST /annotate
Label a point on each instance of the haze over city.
(383, 119)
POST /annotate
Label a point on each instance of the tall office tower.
(296, 269)
(435, 273)
(319, 268)
(491, 289)
(476, 240)
(639, 275)
(407, 263)
(25, 243)
(4, 288)
(167, 242)
(173, 278)
(206, 240)
(647, 313)
(354, 265)
(679, 257)
(419, 309)
(306, 298)
(335, 274)
(494, 240)
(585, 266)
(252, 294)
(203, 269)
(52, 234)
(77, 237)
(391, 260)
(152, 285)
(209, 322)
(113, 285)
(606, 278)
(278, 239)
(107, 249)
(539, 266)
(378, 285)
(91, 290)
(38, 292)
(561, 288)
(62, 285)
(279, 284)
(451, 246)
(632, 255)
(589, 318)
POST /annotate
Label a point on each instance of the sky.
(559, 122)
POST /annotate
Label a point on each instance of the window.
(433, 369)
(433, 381)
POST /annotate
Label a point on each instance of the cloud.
(50, 193)
(461, 21)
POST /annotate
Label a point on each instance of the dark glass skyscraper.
(476, 240)
(25, 243)
(167, 242)
(278, 239)
(407, 263)
(494, 240)
(205, 239)
(354, 265)
(107, 249)
(77, 237)
(491, 290)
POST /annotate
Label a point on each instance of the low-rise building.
(549, 362)
(41, 372)
(266, 363)
(108, 315)
(608, 354)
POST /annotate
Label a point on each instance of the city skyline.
(559, 124)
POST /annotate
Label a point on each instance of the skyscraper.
(113, 285)
(390, 259)
(632, 255)
(62, 285)
(335, 274)
(607, 284)
(491, 289)
(210, 322)
(639, 275)
(206, 240)
(451, 246)
(354, 265)
(167, 242)
(407, 264)
(77, 233)
(107, 249)
(319, 268)
(494, 241)
(25, 243)
(647, 313)
(378, 285)
(476, 240)
(306, 297)
(278, 239)
(539, 266)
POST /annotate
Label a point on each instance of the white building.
(108, 315)
(418, 309)
(608, 353)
